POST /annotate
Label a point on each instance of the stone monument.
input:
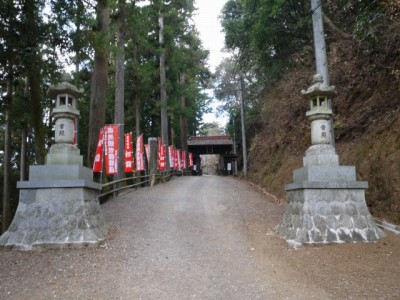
(58, 205)
(325, 203)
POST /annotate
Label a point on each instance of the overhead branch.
(336, 29)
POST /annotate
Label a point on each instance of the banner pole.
(102, 159)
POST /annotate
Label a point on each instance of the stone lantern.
(321, 152)
(58, 205)
(65, 115)
(319, 114)
(325, 203)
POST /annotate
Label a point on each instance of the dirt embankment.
(366, 120)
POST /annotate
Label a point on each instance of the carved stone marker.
(325, 203)
(58, 206)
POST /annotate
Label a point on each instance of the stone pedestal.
(58, 207)
(325, 203)
(64, 154)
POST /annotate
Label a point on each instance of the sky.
(209, 27)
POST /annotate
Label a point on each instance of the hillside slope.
(366, 118)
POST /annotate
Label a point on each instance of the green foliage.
(184, 57)
(266, 33)
(370, 21)
(27, 47)
(64, 33)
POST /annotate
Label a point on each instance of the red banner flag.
(98, 158)
(171, 157)
(179, 158)
(147, 148)
(158, 153)
(162, 156)
(128, 159)
(176, 154)
(184, 163)
(139, 154)
(190, 159)
(111, 149)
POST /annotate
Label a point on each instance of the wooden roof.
(210, 144)
(210, 140)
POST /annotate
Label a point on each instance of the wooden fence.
(136, 181)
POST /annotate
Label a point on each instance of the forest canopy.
(140, 64)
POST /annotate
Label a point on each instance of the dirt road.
(201, 238)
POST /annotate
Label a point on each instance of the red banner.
(179, 159)
(162, 156)
(184, 160)
(147, 148)
(128, 159)
(139, 154)
(176, 155)
(158, 153)
(111, 149)
(98, 158)
(190, 159)
(171, 157)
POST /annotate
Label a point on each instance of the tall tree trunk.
(37, 113)
(172, 129)
(77, 45)
(120, 86)
(77, 48)
(137, 117)
(243, 126)
(98, 93)
(182, 119)
(234, 147)
(24, 134)
(33, 63)
(7, 160)
(163, 92)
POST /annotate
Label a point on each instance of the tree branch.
(336, 29)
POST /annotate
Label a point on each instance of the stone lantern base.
(58, 207)
(64, 154)
(325, 203)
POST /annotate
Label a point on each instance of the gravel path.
(203, 237)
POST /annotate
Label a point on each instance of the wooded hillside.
(363, 40)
